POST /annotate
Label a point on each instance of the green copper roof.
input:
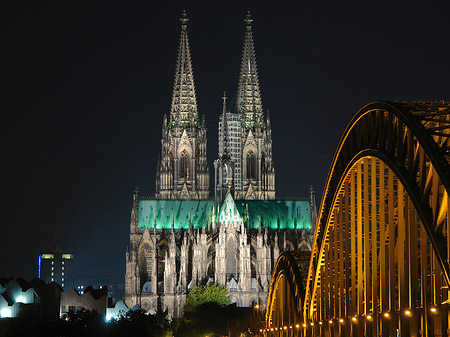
(288, 213)
(270, 213)
(198, 212)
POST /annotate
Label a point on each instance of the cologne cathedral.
(182, 237)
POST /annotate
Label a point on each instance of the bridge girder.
(382, 237)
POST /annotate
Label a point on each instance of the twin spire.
(249, 101)
(184, 102)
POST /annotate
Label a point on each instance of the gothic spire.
(224, 150)
(249, 100)
(184, 102)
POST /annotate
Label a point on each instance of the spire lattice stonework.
(183, 169)
(224, 144)
(249, 100)
(184, 101)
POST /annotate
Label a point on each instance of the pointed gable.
(184, 140)
(250, 194)
(228, 211)
(184, 192)
(250, 140)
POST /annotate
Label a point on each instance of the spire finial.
(223, 141)
(248, 19)
(184, 19)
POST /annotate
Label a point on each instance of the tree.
(208, 294)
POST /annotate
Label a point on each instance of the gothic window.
(254, 261)
(145, 264)
(184, 165)
(211, 261)
(171, 157)
(251, 165)
(231, 259)
(163, 250)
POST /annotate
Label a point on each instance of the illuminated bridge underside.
(380, 262)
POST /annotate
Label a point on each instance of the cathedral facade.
(182, 238)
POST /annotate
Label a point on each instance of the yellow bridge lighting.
(354, 319)
(387, 315)
(433, 310)
(341, 320)
(408, 313)
(369, 317)
(297, 326)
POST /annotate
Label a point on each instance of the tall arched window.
(184, 165)
(163, 250)
(145, 264)
(251, 165)
(171, 160)
(232, 270)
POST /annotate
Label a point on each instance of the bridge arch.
(380, 261)
(286, 294)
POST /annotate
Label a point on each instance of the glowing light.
(108, 317)
(330, 321)
(320, 323)
(408, 313)
(354, 319)
(5, 312)
(312, 323)
(39, 263)
(21, 299)
(257, 306)
(271, 329)
(387, 315)
(341, 320)
(297, 326)
(290, 327)
(369, 317)
(304, 325)
(276, 329)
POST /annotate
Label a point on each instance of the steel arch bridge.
(380, 261)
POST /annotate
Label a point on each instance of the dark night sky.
(86, 83)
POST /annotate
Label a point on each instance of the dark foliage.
(206, 319)
(85, 323)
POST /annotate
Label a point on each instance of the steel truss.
(380, 262)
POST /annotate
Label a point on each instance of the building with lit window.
(56, 267)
